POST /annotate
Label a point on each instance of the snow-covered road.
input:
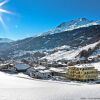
(21, 87)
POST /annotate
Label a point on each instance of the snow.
(45, 71)
(15, 87)
(63, 47)
(96, 65)
(40, 67)
(58, 69)
(68, 55)
(71, 25)
(22, 66)
(84, 66)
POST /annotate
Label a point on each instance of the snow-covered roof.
(22, 66)
(96, 65)
(45, 71)
(83, 66)
(57, 69)
(2, 65)
(39, 67)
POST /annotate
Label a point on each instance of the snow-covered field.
(21, 87)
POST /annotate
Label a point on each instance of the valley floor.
(22, 87)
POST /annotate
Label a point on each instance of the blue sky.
(32, 17)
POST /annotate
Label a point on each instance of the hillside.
(71, 25)
(86, 33)
(74, 38)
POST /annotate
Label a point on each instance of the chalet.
(58, 71)
(7, 67)
(11, 67)
(30, 71)
(39, 73)
(3, 66)
(82, 73)
(44, 74)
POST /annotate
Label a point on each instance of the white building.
(39, 73)
(45, 74)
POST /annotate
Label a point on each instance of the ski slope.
(22, 87)
(68, 55)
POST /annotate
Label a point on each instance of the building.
(3, 66)
(58, 71)
(7, 67)
(11, 67)
(82, 73)
(39, 73)
(44, 74)
(22, 67)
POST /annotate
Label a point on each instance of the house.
(3, 66)
(39, 73)
(58, 71)
(44, 74)
(7, 67)
(11, 67)
(30, 71)
(22, 67)
(82, 73)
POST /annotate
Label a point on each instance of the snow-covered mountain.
(5, 40)
(43, 45)
(68, 53)
(83, 33)
(71, 25)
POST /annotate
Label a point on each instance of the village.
(79, 71)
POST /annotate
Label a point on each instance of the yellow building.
(82, 73)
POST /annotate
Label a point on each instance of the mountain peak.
(82, 19)
(71, 25)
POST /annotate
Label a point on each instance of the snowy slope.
(21, 87)
(68, 55)
(71, 25)
(29, 47)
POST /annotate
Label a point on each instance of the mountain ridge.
(75, 38)
(71, 25)
(40, 46)
(5, 40)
